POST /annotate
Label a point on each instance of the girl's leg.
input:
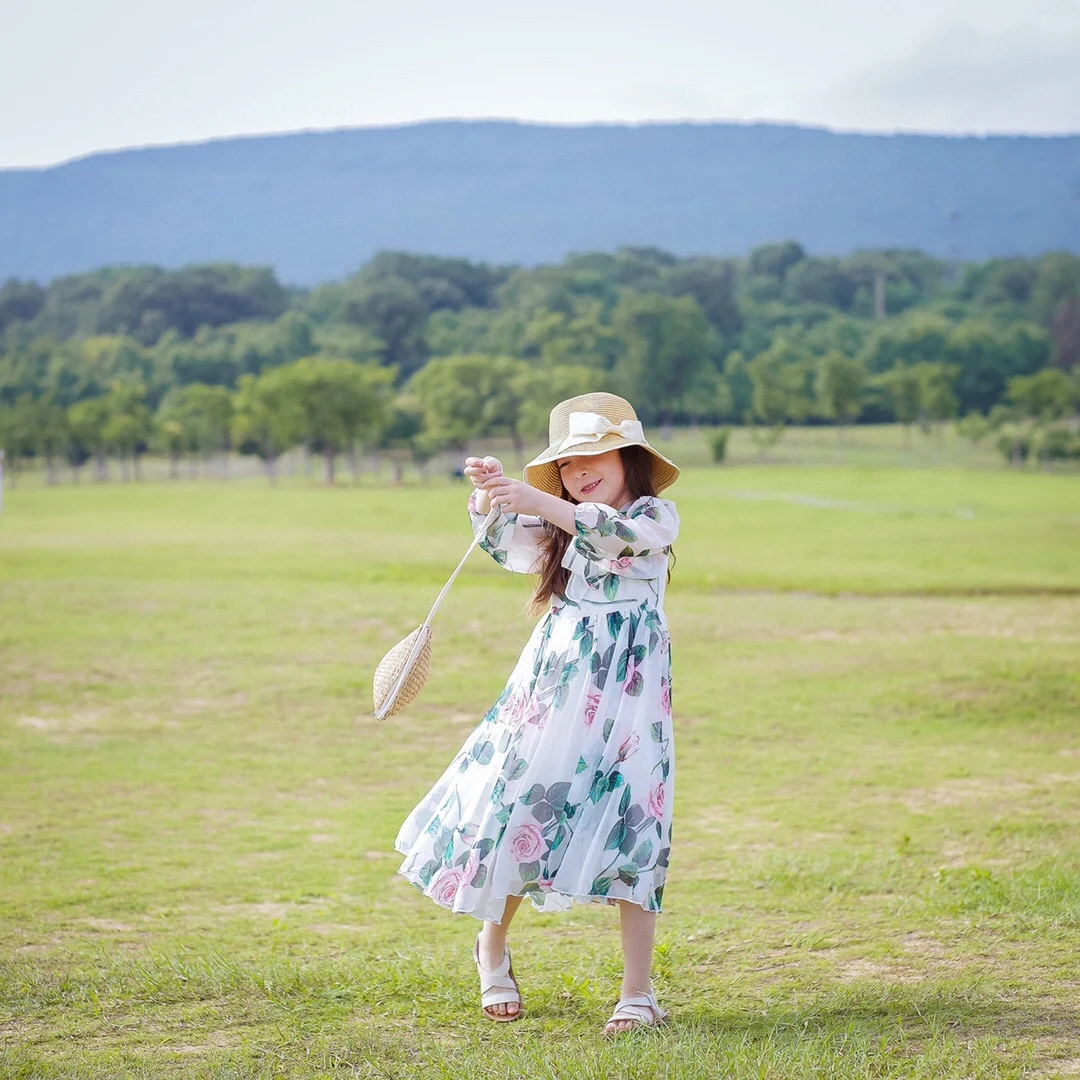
(493, 945)
(638, 928)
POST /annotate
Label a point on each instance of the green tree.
(779, 377)
(1045, 396)
(267, 417)
(340, 402)
(127, 429)
(668, 341)
(87, 422)
(903, 391)
(449, 392)
(394, 311)
(938, 402)
(838, 387)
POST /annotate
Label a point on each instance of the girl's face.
(595, 478)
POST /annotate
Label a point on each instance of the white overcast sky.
(81, 76)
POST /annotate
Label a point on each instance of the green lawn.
(876, 868)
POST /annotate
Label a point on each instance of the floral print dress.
(563, 792)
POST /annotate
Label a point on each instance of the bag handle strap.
(493, 513)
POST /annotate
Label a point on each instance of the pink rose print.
(656, 801)
(592, 703)
(446, 886)
(665, 696)
(623, 563)
(514, 712)
(527, 843)
(629, 745)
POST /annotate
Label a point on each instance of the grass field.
(876, 869)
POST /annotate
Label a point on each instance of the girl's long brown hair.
(637, 468)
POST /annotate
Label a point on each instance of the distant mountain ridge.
(316, 205)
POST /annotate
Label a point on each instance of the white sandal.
(641, 1011)
(498, 987)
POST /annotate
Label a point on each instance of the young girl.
(564, 791)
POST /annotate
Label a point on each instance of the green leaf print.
(463, 858)
(609, 723)
(616, 779)
(601, 885)
(599, 787)
(562, 692)
(519, 769)
(483, 847)
(529, 871)
(560, 836)
(615, 619)
(479, 877)
(611, 586)
(586, 644)
(448, 853)
(427, 871)
(434, 825)
(628, 841)
(556, 794)
(484, 751)
(582, 765)
(656, 730)
(628, 874)
(639, 653)
(642, 853)
(620, 671)
(543, 811)
(635, 684)
(605, 525)
(503, 816)
(499, 555)
(616, 836)
(626, 553)
(634, 815)
(625, 533)
(624, 802)
(533, 795)
(497, 790)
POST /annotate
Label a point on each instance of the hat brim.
(543, 472)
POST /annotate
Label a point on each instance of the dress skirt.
(563, 792)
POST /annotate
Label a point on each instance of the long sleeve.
(512, 540)
(619, 541)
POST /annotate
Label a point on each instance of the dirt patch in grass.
(974, 789)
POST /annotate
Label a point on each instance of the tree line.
(415, 354)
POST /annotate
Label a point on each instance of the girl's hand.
(515, 496)
(480, 469)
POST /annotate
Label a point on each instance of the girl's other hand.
(514, 496)
(479, 470)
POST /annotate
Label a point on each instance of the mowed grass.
(876, 868)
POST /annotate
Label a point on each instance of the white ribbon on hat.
(592, 427)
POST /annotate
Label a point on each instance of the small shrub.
(1059, 444)
(718, 444)
(1014, 445)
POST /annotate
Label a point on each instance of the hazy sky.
(77, 77)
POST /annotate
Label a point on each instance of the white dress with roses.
(563, 792)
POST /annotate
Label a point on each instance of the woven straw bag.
(402, 672)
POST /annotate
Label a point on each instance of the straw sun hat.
(593, 424)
